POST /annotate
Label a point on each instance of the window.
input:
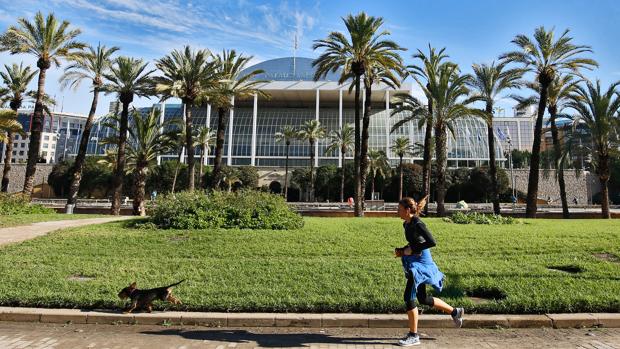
(13, 160)
(53, 145)
(45, 145)
(21, 152)
(23, 145)
(44, 154)
(17, 137)
(14, 145)
(46, 138)
(14, 152)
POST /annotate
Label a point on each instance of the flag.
(501, 134)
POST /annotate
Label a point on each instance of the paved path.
(31, 231)
(68, 336)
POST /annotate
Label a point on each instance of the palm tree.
(228, 67)
(179, 137)
(311, 131)
(144, 144)
(401, 147)
(90, 66)
(51, 42)
(286, 135)
(10, 125)
(15, 79)
(127, 77)
(230, 176)
(377, 164)
(187, 75)
(449, 94)
(599, 112)
(205, 138)
(487, 83)
(423, 74)
(559, 92)
(546, 57)
(341, 141)
(354, 56)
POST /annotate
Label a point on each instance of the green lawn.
(331, 265)
(23, 219)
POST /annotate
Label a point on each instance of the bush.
(19, 204)
(244, 209)
(479, 218)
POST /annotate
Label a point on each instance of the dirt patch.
(607, 257)
(570, 269)
(80, 278)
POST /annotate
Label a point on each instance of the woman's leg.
(412, 310)
(434, 302)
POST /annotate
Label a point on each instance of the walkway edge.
(609, 320)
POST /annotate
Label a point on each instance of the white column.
(183, 148)
(387, 123)
(519, 134)
(340, 164)
(316, 146)
(162, 114)
(230, 132)
(254, 115)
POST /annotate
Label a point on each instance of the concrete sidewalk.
(77, 316)
(26, 232)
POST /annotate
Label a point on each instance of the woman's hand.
(408, 251)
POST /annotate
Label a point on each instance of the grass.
(24, 219)
(331, 265)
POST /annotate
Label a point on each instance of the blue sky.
(472, 31)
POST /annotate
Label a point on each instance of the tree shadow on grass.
(272, 340)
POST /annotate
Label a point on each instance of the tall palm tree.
(187, 75)
(15, 79)
(401, 147)
(10, 125)
(50, 42)
(228, 67)
(90, 66)
(487, 83)
(204, 139)
(286, 135)
(311, 131)
(377, 165)
(353, 56)
(341, 141)
(127, 77)
(599, 110)
(545, 57)
(423, 74)
(559, 93)
(144, 144)
(451, 102)
(179, 138)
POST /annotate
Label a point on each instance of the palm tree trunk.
(372, 186)
(74, 187)
(492, 162)
(532, 186)
(140, 184)
(219, 148)
(8, 155)
(120, 162)
(603, 175)
(557, 152)
(189, 145)
(358, 211)
(441, 156)
(400, 186)
(364, 150)
(176, 171)
(35, 131)
(342, 177)
(427, 157)
(286, 173)
(312, 170)
(202, 160)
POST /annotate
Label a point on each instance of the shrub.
(244, 209)
(479, 218)
(19, 204)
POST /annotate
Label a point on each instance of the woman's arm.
(429, 240)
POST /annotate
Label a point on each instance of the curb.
(77, 316)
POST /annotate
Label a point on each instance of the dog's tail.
(175, 284)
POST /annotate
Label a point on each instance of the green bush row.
(479, 218)
(245, 209)
(18, 204)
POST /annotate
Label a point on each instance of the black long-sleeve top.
(418, 236)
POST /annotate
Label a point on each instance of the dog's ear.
(133, 285)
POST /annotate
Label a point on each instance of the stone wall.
(582, 186)
(18, 174)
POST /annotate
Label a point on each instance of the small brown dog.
(143, 299)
